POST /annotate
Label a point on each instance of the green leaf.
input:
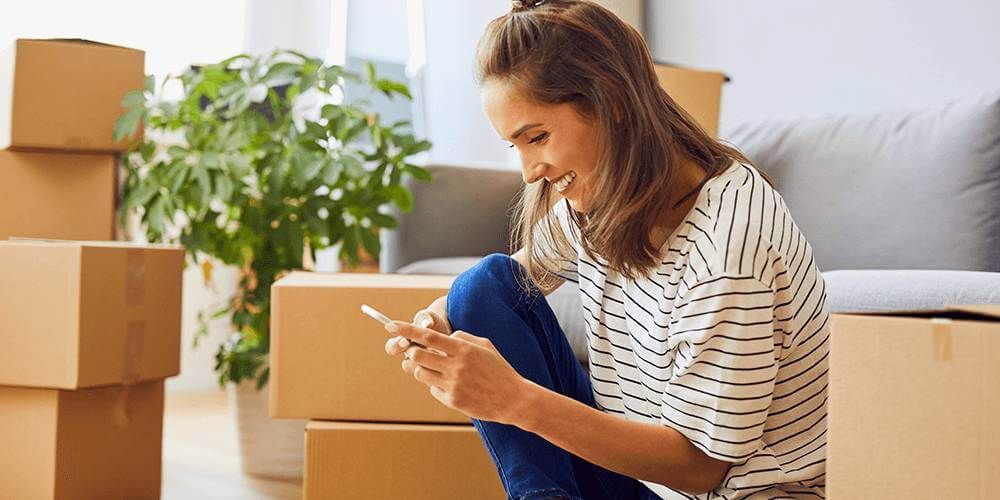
(155, 218)
(204, 183)
(128, 124)
(331, 174)
(370, 240)
(389, 87)
(142, 195)
(370, 71)
(281, 73)
(316, 226)
(350, 245)
(150, 83)
(224, 187)
(296, 242)
(419, 173)
(133, 98)
(402, 197)
(383, 220)
(179, 178)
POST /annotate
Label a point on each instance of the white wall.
(302, 25)
(797, 57)
(455, 122)
(173, 34)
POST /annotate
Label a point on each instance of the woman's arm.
(652, 452)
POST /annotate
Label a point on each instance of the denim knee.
(496, 280)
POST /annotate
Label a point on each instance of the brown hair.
(577, 52)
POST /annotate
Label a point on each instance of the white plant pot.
(268, 447)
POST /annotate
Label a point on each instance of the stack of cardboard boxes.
(88, 329)
(375, 431)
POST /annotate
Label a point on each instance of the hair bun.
(525, 4)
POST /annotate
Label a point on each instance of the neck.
(687, 181)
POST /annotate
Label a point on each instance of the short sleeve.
(560, 213)
(725, 365)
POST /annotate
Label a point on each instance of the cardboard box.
(86, 314)
(52, 195)
(65, 94)
(86, 444)
(913, 405)
(698, 92)
(328, 360)
(416, 462)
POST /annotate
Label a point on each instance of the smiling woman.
(706, 316)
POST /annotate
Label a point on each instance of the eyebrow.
(524, 129)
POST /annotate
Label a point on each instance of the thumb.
(430, 319)
(424, 319)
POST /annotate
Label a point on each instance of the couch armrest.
(463, 212)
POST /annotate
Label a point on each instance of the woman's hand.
(435, 317)
(463, 371)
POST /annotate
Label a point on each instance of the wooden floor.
(200, 455)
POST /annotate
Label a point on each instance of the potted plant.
(258, 164)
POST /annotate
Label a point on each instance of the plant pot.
(268, 447)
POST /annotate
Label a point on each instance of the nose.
(532, 172)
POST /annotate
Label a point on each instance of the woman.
(706, 317)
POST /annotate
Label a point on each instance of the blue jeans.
(488, 301)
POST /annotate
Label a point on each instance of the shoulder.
(735, 218)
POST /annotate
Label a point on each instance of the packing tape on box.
(135, 331)
(135, 277)
(941, 337)
(120, 413)
(135, 335)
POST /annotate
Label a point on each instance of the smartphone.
(378, 316)
(374, 313)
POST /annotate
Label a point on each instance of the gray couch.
(902, 208)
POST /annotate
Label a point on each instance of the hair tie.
(525, 4)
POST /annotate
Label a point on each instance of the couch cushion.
(462, 211)
(892, 190)
(908, 290)
(564, 301)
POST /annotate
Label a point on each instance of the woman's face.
(556, 144)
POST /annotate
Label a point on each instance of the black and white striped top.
(726, 342)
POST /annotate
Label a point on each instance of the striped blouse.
(726, 342)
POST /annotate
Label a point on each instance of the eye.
(539, 138)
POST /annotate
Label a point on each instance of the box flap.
(88, 243)
(725, 77)
(80, 41)
(976, 312)
(364, 280)
(991, 310)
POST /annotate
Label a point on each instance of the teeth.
(563, 182)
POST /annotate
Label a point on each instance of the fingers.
(428, 358)
(422, 373)
(424, 336)
(429, 376)
(396, 345)
(427, 318)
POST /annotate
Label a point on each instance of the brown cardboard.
(913, 402)
(57, 195)
(698, 92)
(416, 462)
(86, 444)
(65, 94)
(328, 360)
(86, 314)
